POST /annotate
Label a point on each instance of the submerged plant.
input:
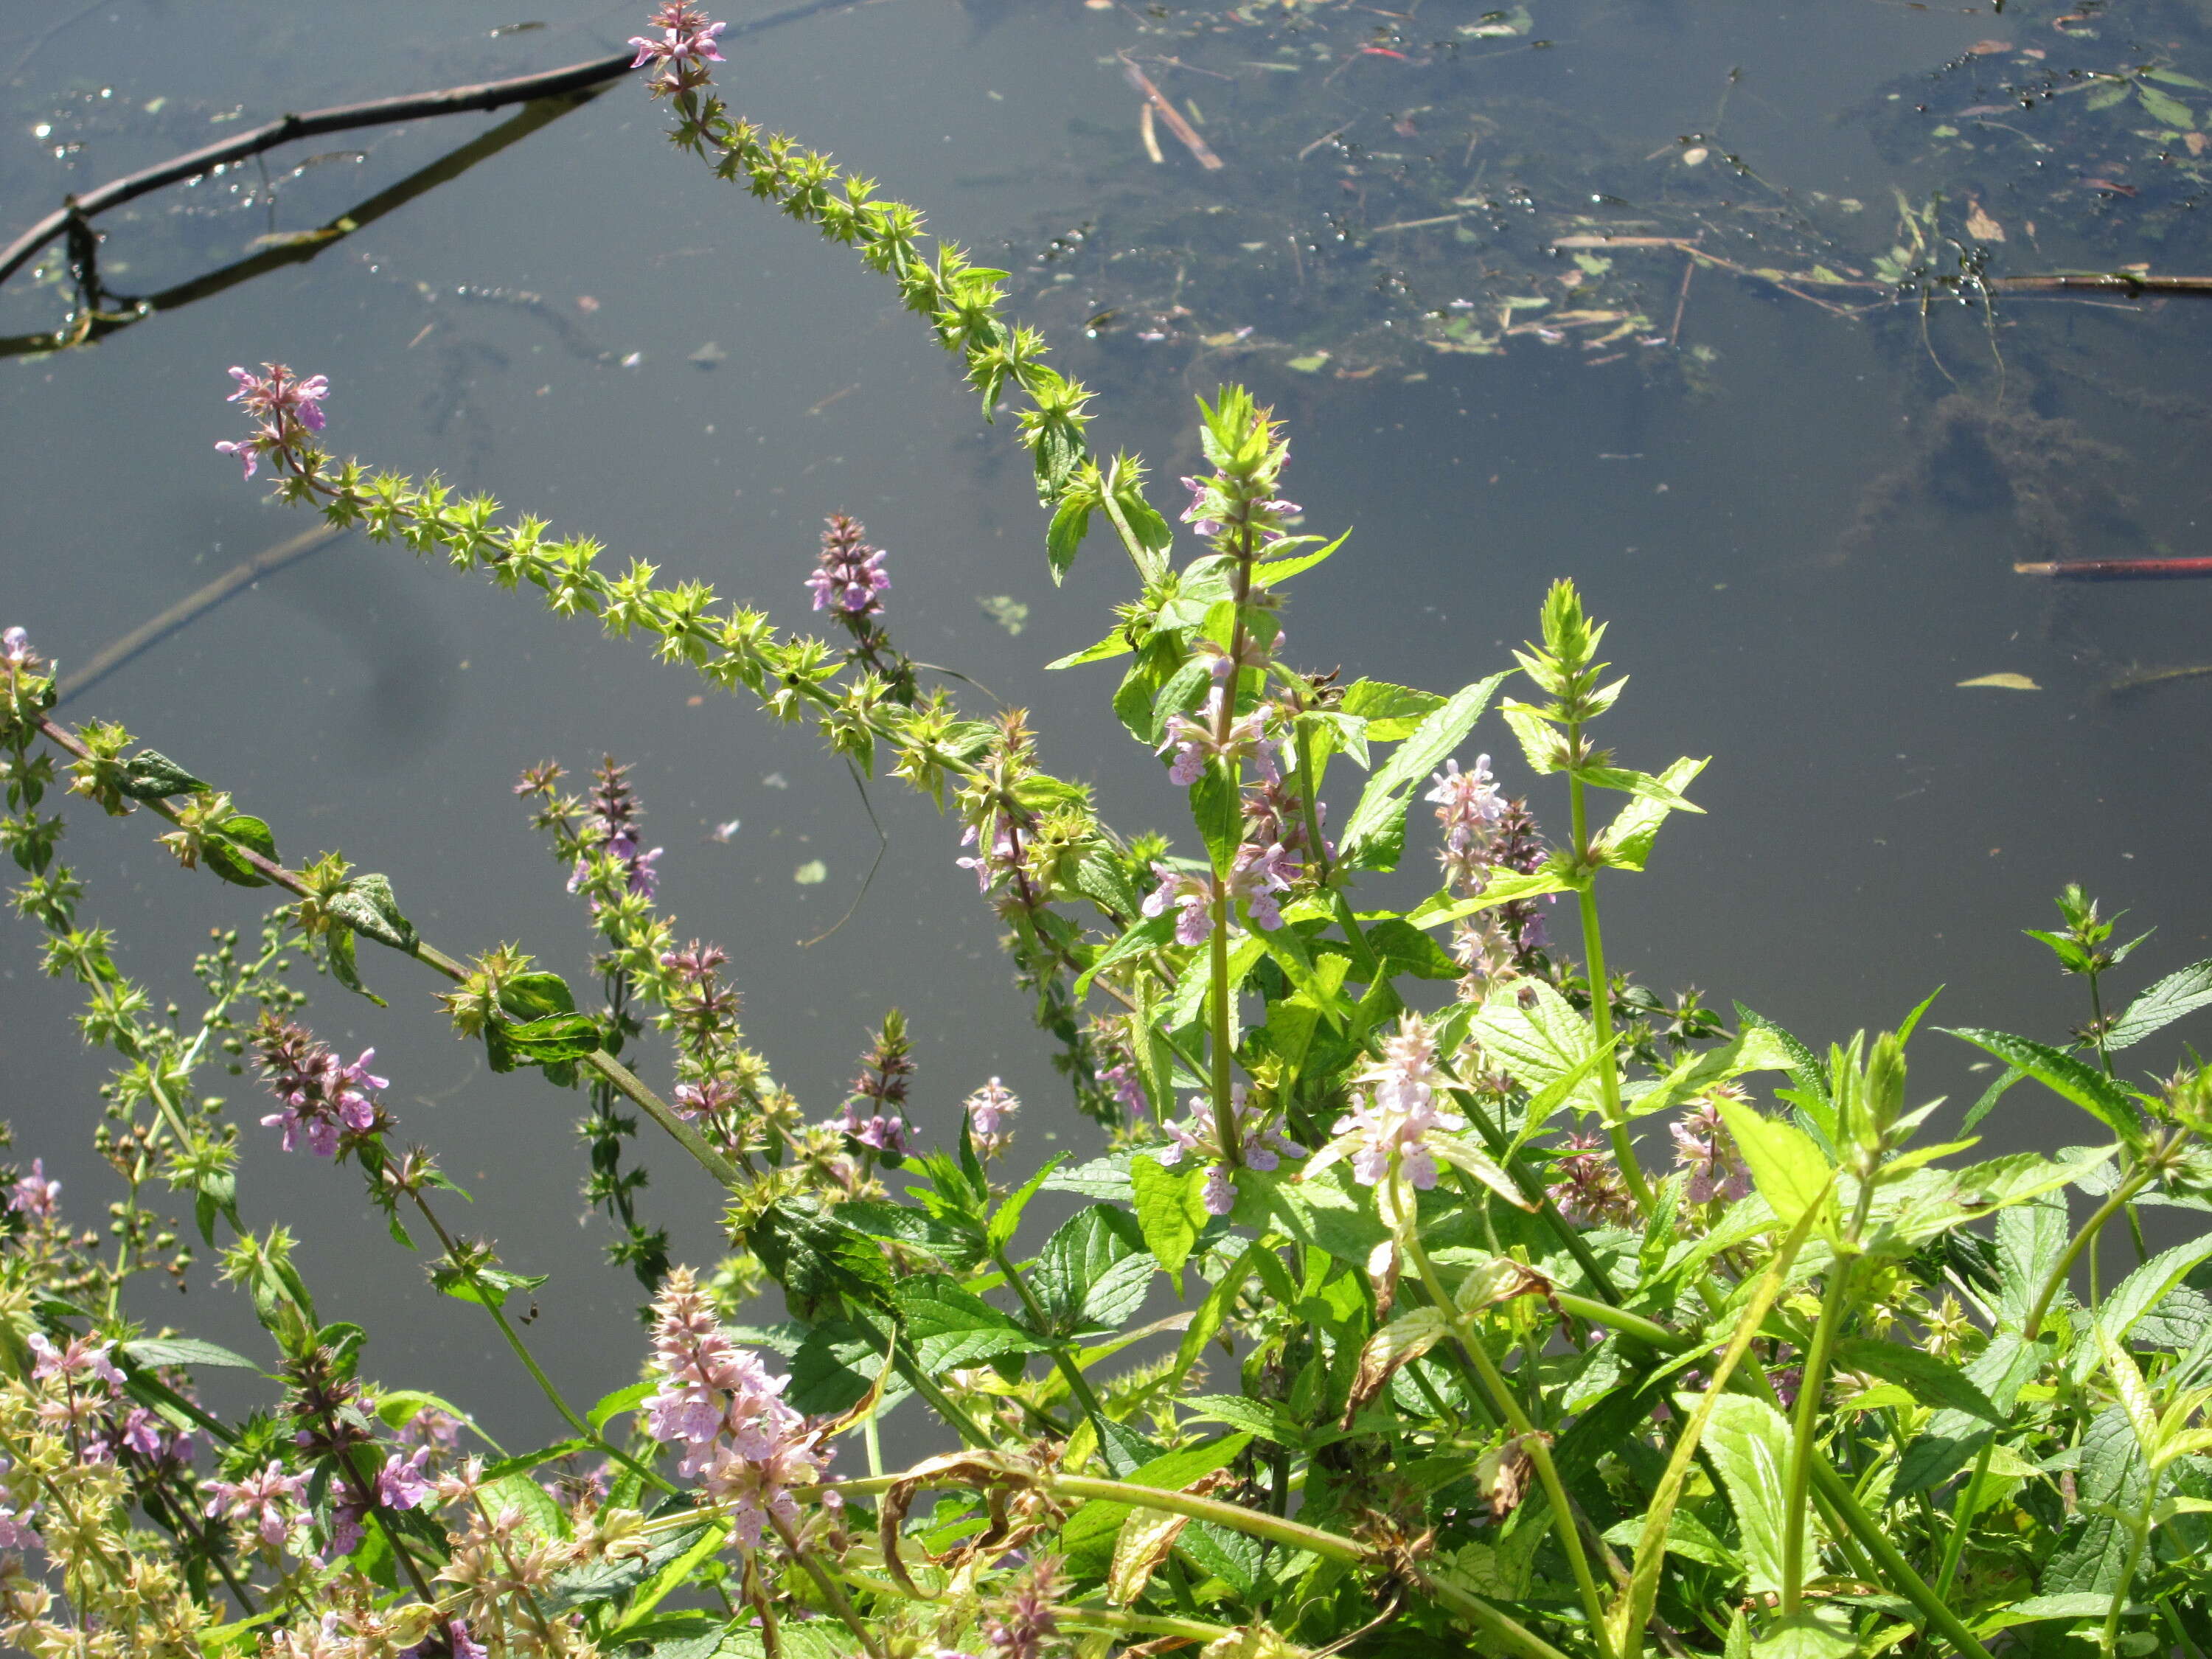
(1507, 1316)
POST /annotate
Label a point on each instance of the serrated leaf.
(149, 774)
(1931, 1380)
(244, 830)
(1217, 808)
(1377, 824)
(187, 1351)
(1749, 1443)
(367, 905)
(1087, 1540)
(2092, 1091)
(2182, 992)
(1167, 1211)
(1626, 842)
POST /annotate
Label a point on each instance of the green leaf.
(1217, 810)
(601, 1580)
(836, 1366)
(1439, 908)
(1393, 713)
(1749, 1441)
(1931, 1380)
(149, 774)
(1377, 830)
(1149, 934)
(532, 996)
(1071, 522)
(1626, 842)
(1785, 1164)
(249, 832)
(2149, 1284)
(1007, 1220)
(1176, 696)
(612, 1406)
(2092, 1091)
(2182, 992)
(187, 1351)
(952, 1328)
(554, 1038)
(1106, 1177)
(1116, 644)
(1642, 784)
(1277, 571)
(487, 1286)
(1168, 1212)
(1094, 1270)
(338, 942)
(2166, 109)
(367, 905)
(1538, 1044)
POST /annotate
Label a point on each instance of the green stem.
(2137, 1179)
(1600, 990)
(832, 1591)
(490, 1303)
(1533, 1441)
(2140, 1530)
(1225, 1112)
(1804, 1430)
(1078, 1384)
(1836, 1496)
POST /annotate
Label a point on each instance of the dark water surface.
(1874, 830)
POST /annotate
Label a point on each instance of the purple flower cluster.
(402, 1483)
(851, 573)
(1273, 814)
(1392, 1123)
(990, 1109)
(1258, 874)
(1586, 1184)
(1704, 1147)
(1261, 1145)
(16, 1532)
(746, 1447)
(1198, 741)
(103, 1425)
(15, 653)
(287, 407)
(1483, 831)
(684, 50)
(325, 1102)
(266, 1505)
(1219, 508)
(611, 829)
(875, 1111)
(33, 1194)
(1022, 1620)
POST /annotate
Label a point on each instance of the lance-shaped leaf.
(2182, 992)
(2092, 1091)
(1409, 1336)
(1466, 1155)
(1785, 1165)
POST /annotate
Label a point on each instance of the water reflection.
(1805, 537)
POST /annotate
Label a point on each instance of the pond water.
(1799, 504)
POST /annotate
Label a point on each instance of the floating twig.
(1184, 132)
(382, 112)
(2106, 571)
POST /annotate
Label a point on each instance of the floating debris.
(811, 873)
(1009, 614)
(723, 832)
(2002, 682)
(708, 356)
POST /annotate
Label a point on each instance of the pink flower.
(15, 1532)
(33, 1194)
(1192, 894)
(1258, 875)
(989, 1107)
(1393, 1122)
(82, 1358)
(1261, 1145)
(1588, 1188)
(1196, 744)
(1703, 1146)
(684, 50)
(266, 1504)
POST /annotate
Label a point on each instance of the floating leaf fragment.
(811, 873)
(1980, 226)
(2003, 683)
(1309, 364)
